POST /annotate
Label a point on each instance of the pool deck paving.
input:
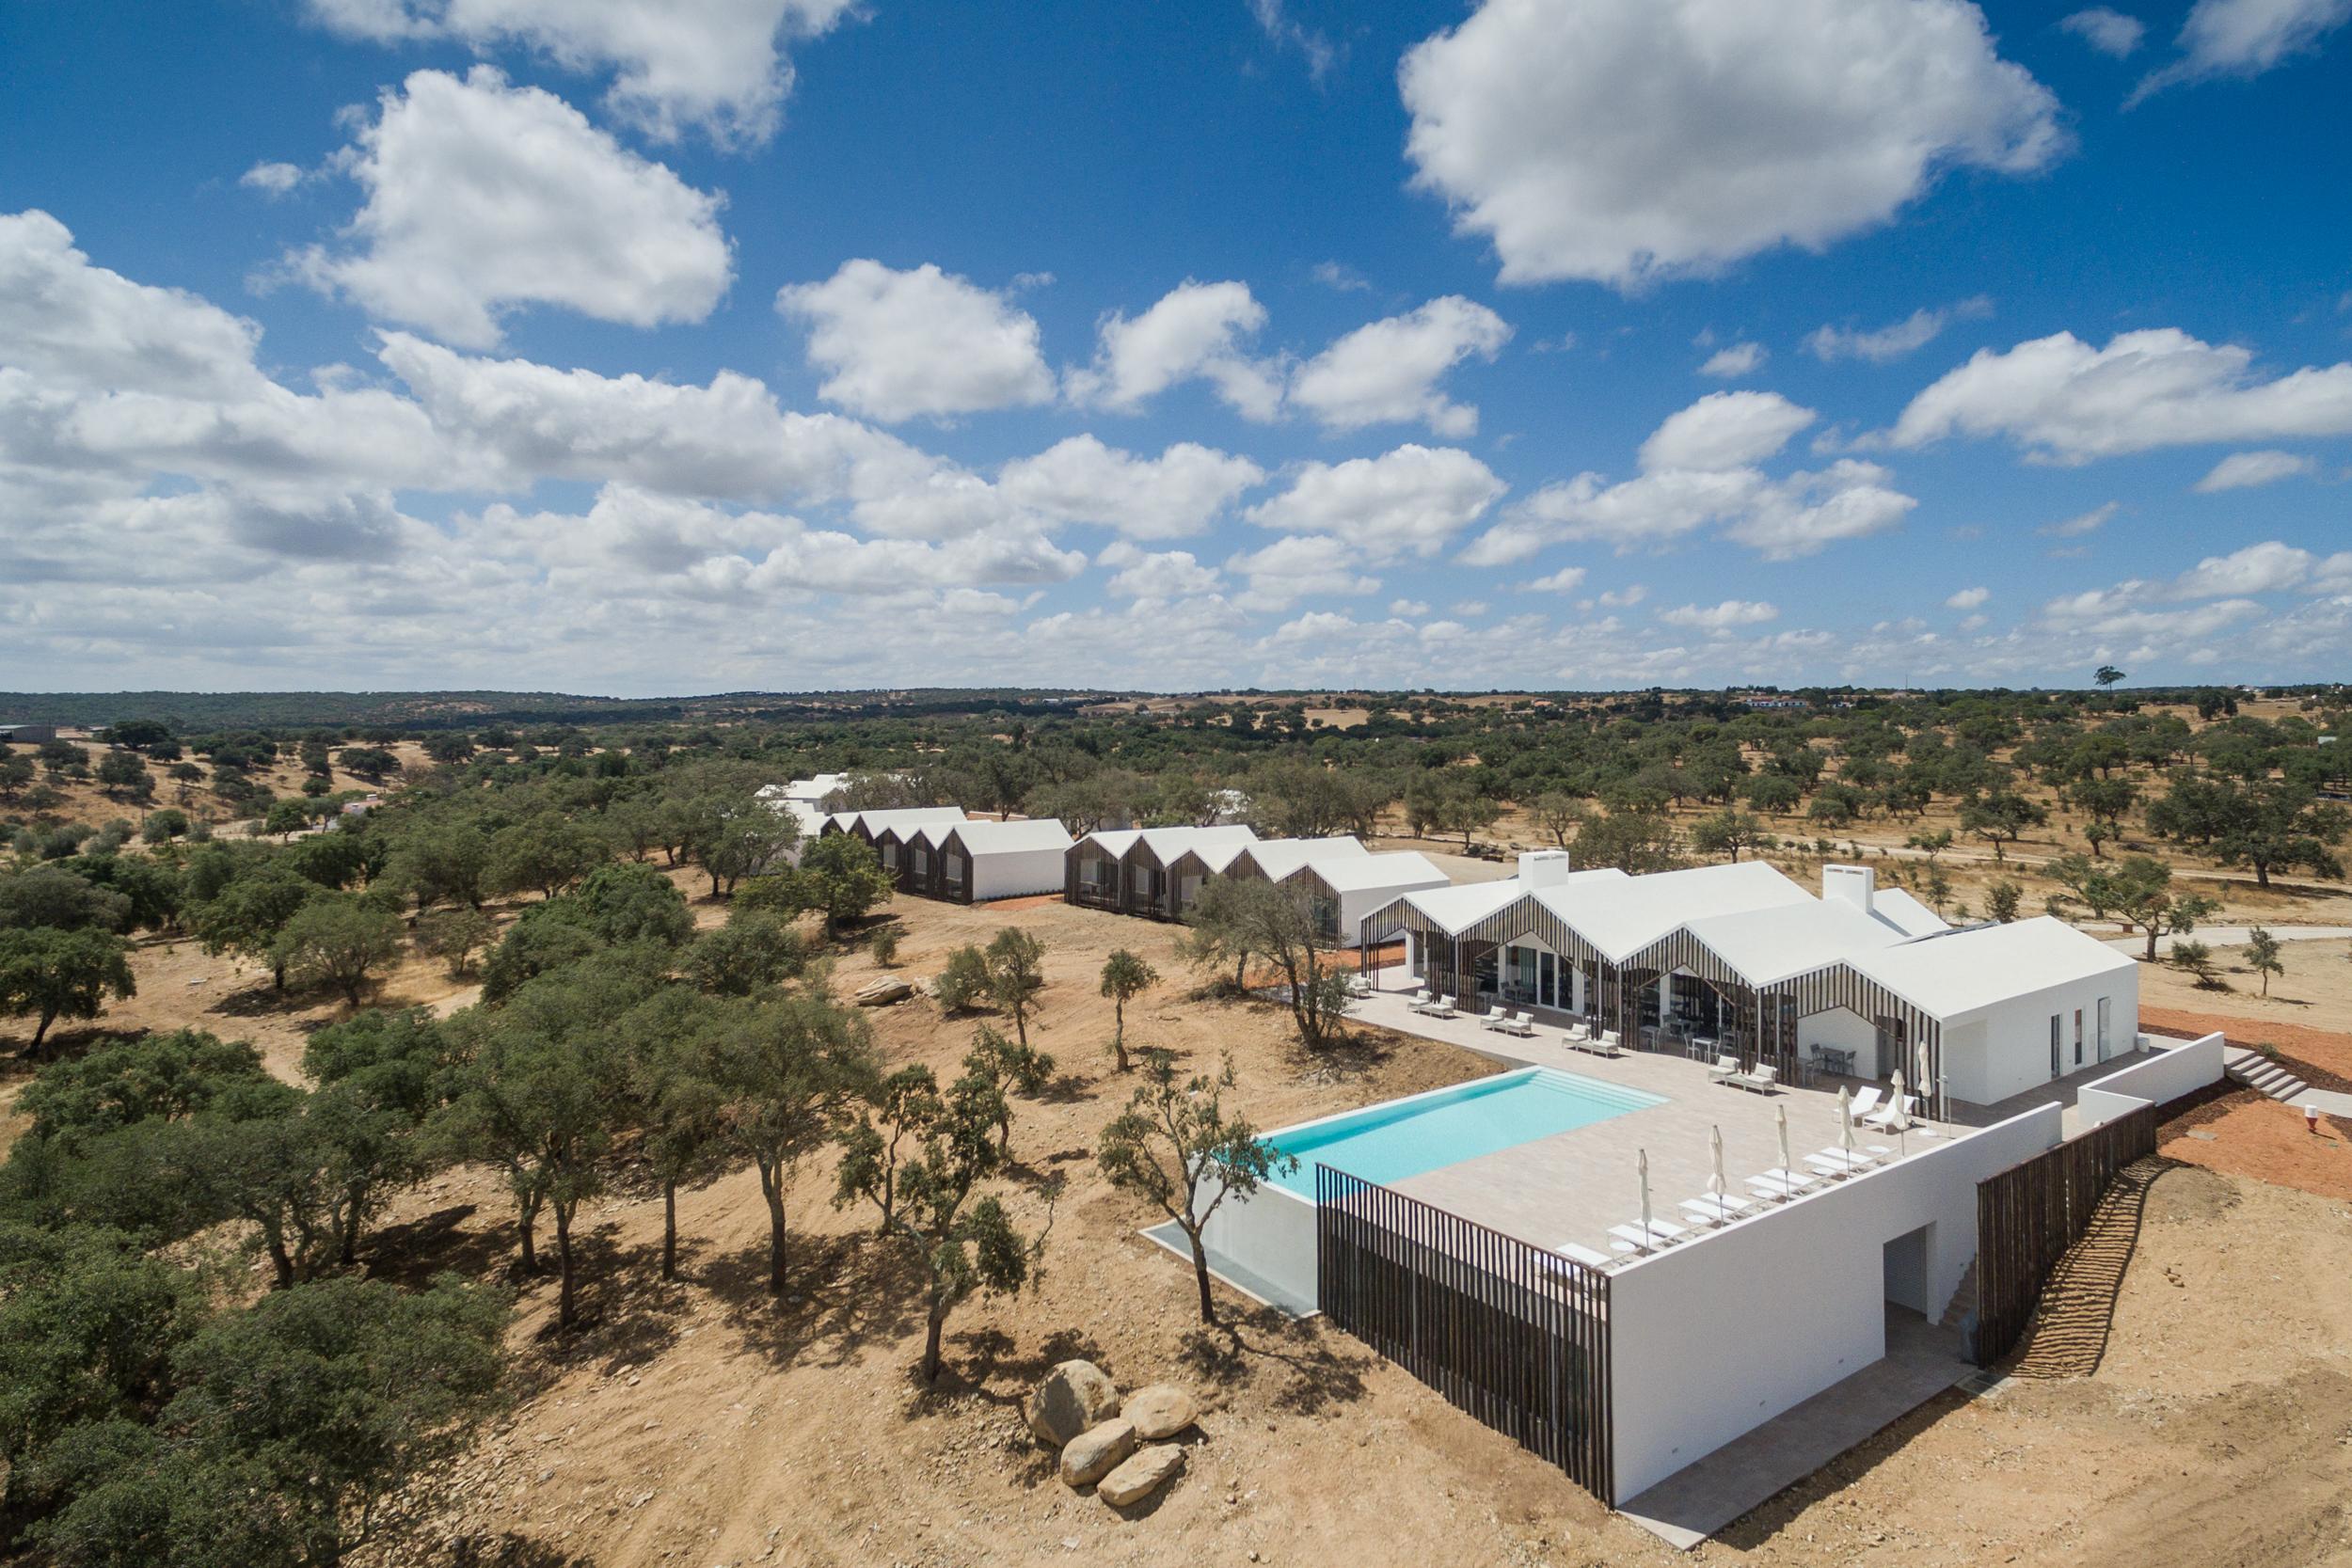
(1571, 1187)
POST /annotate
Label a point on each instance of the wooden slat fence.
(2031, 1213)
(1510, 1333)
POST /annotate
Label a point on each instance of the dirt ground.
(2315, 993)
(709, 1423)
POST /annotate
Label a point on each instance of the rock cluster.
(1118, 1452)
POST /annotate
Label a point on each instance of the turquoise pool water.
(1387, 1143)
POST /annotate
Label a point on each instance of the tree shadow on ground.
(629, 1314)
(840, 1293)
(413, 1251)
(510, 1550)
(1316, 1369)
(259, 999)
(983, 1360)
(18, 1063)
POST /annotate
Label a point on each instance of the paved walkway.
(1922, 1360)
(2227, 936)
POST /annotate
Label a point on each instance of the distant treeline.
(444, 710)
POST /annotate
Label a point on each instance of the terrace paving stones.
(1075, 1396)
(1161, 1410)
(1143, 1474)
(1096, 1452)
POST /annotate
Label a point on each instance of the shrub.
(964, 982)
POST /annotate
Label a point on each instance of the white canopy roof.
(902, 818)
(1621, 918)
(1781, 940)
(1956, 973)
(1278, 857)
(1005, 838)
(1404, 870)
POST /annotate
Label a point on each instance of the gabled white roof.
(811, 789)
(1455, 910)
(1782, 940)
(1905, 913)
(1405, 870)
(1277, 858)
(1169, 843)
(1956, 973)
(1623, 917)
(1005, 838)
(901, 818)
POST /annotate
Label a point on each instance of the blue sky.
(787, 344)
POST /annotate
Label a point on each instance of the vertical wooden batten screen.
(1509, 1333)
(2031, 1213)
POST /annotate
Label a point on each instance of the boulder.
(1075, 1396)
(1162, 1410)
(883, 992)
(1097, 1452)
(1143, 1473)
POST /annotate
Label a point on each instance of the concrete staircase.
(1959, 1313)
(2259, 1073)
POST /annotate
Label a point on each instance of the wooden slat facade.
(1108, 894)
(2031, 1213)
(1514, 1335)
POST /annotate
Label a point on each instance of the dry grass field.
(709, 1423)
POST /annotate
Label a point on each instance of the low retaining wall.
(2176, 1068)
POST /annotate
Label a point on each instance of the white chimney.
(1542, 868)
(1857, 884)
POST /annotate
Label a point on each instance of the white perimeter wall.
(2175, 1068)
(2004, 1049)
(1016, 874)
(1272, 1234)
(1710, 1340)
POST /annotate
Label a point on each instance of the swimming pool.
(1406, 1137)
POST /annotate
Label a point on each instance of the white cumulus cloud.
(1724, 430)
(899, 345)
(1734, 360)
(2063, 401)
(1194, 331)
(1386, 371)
(483, 196)
(2245, 470)
(1082, 481)
(1720, 620)
(2245, 37)
(1619, 143)
(1406, 501)
(1883, 345)
(718, 66)
(2105, 29)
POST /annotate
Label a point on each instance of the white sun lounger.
(1725, 1069)
(1591, 1046)
(1783, 1184)
(1887, 1116)
(1764, 1080)
(1711, 1209)
(1663, 1233)
(1585, 1256)
(1865, 1101)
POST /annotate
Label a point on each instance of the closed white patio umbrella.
(1715, 1182)
(1641, 1164)
(1845, 1122)
(1895, 1120)
(1786, 1160)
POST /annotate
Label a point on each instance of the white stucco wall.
(1016, 874)
(1714, 1337)
(2005, 1048)
(2173, 1069)
(1841, 1029)
(1272, 1234)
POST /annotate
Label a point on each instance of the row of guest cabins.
(1154, 873)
